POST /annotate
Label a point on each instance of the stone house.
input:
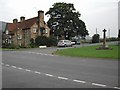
(20, 33)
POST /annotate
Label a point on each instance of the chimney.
(41, 18)
(15, 20)
(40, 22)
(22, 18)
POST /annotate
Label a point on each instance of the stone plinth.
(104, 46)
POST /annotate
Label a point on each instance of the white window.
(20, 44)
(46, 31)
(6, 31)
(9, 41)
(34, 30)
(10, 36)
(19, 36)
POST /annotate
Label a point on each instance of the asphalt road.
(38, 68)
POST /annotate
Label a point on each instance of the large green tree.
(64, 21)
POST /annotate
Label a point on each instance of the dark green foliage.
(113, 39)
(110, 39)
(52, 41)
(96, 38)
(64, 21)
(40, 41)
(32, 43)
(43, 40)
(9, 46)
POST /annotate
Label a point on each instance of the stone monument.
(104, 46)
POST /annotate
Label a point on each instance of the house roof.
(27, 23)
(11, 26)
(21, 25)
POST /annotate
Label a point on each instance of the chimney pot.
(15, 20)
(22, 18)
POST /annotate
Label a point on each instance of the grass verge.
(90, 51)
(7, 49)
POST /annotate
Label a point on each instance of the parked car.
(65, 43)
(76, 42)
(72, 42)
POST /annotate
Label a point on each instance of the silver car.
(64, 43)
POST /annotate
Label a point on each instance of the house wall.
(34, 31)
(22, 37)
(17, 38)
(26, 37)
(47, 31)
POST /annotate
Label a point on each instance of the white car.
(64, 43)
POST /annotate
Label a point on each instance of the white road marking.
(27, 70)
(20, 68)
(13, 66)
(29, 52)
(50, 55)
(37, 72)
(63, 78)
(7, 65)
(96, 84)
(79, 81)
(41, 54)
(49, 75)
(38, 53)
(33, 53)
(45, 54)
(116, 87)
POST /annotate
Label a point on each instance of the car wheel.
(65, 45)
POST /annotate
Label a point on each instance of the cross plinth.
(104, 46)
(104, 38)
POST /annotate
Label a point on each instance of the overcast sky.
(100, 14)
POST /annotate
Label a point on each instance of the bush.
(32, 43)
(11, 47)
(96, 38)
(40, 41)
(43, 40)
(52, 41)
(112, 39)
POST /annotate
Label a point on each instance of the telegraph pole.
(96, 30)
(108, 34)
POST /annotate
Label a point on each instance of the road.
(38, 68)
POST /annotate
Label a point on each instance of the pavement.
(38, 68)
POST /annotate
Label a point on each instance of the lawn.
(90, 51)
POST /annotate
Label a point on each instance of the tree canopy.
(64, 21)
